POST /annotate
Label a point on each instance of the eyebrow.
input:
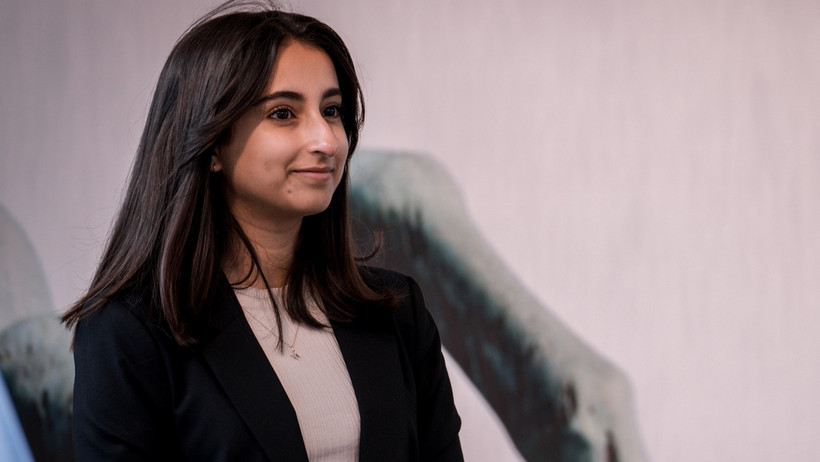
(296, 96)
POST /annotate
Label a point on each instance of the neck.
(274, 247)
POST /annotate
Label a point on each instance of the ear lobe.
(216, 165)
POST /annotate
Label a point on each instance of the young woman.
(228, 319)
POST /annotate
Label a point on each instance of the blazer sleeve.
(121, 391)
(438, 420)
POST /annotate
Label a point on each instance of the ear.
(216, 164)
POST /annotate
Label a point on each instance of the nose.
(322, 138)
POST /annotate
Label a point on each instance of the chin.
(317, 209)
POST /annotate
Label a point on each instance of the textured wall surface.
(649, 169)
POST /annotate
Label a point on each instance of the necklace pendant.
(294, 354)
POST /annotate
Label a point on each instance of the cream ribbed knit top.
(317, 383)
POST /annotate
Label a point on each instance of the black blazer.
(140, 396)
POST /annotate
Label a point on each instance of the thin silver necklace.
(292, 346)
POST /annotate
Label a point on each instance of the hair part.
(173, 228)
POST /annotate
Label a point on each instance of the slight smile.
(317, 174)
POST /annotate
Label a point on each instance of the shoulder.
(122, 326)
(126, 309)
(410, 302)
(119, 347)
(121, 363)
(381, 279)
(410, 318)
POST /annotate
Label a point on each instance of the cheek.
(341, 135)
(337, 176)
(341, 156)
(342, 164)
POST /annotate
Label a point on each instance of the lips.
(315, 173)
(314, 170)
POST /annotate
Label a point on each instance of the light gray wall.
(651, 170)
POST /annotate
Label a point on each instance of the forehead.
(302, 65)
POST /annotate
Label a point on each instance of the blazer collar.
(371, 352)
(243, 370)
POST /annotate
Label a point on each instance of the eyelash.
(337, 108)
(278, 111)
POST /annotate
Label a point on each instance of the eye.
(332, 111)
(281, 114)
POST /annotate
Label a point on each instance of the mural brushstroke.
(558, 399)
(35, 361)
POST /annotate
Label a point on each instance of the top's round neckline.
(255, 292)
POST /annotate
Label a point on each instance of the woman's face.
(287, 154)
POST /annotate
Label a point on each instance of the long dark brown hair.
(174, 226)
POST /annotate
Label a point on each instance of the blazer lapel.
(244, 372)
(370, 351)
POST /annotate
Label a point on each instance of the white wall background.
(651, 170)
